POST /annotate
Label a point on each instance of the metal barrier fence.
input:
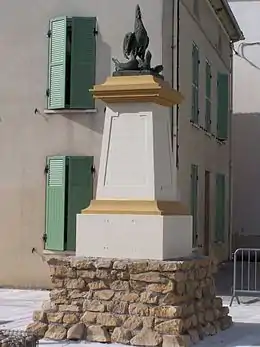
(245, 273)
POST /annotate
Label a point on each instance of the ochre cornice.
(142, 88)
(136, 207)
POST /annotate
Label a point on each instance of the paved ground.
(16, 307)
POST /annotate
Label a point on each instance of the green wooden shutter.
(57, 63)
(223, 106)
(208, 80)
(195, 84)
(196, 8)
(208, 98)
(220, 205)
(80, 193)
(194, 200)
(55, 203)
(83, 62)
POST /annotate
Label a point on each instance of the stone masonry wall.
(142, 303)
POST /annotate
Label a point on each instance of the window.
(194, 202)
(220, 203)
(222, 106)
(208, 98)
(71, 68)
(196, 8)
(195, 84)
(219, 43)
(69, 189)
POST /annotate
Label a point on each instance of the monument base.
(131, 234)
(138, 303)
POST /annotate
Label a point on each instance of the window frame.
(195, 84)
(208, 98)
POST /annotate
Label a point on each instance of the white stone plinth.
(136, 157)
(134, 236)
(137, 213)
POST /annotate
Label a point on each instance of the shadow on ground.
(247, 277)
(240, 335)
(224, 279)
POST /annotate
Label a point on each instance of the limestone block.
(97, 285)
(170, 327)
(139, 309)
(225, 322)
(105, 294)
(56, 317)
(96, 333)
(108, 320)
(118, 307)
(56, 332)
(120, 285)
(93, 306)
(167, 311)
(149, 277)
(69, 308)
(76, 332)
(37, 328)
(149, 298)
(77, 283)
(57, 282)
(174, 299)
(133, 323)
(65, 272)
(161, 288)
(83, 264)
(136, 267)
(40, 316)
(103, 263)
(70, 318)
(89, 318)
(121, 335)
(47, 305)
(86, 274)
(147, 337)
(194, 336)
(129, 297)
(176, 341)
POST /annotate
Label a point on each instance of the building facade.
(51, 129)
(245, 129)
(246, 168)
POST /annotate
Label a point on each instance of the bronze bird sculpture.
(141, 35)
(135, 45)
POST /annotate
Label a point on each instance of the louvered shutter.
(208, 98)
(55, 203)
(220, 205)
(195, 84)
(83, 62)
(194, 200)
(80, 193)
(57, 63)
(222, 106)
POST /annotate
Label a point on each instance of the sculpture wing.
(127, 44)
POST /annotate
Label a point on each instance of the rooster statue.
(140, 33)
(135, 46)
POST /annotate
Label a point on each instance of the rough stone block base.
(142, 303)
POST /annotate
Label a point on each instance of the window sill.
(207, 133)
(221, 142)
(219, 243)
(50, 254)
(195, 125)
(70, 111)
(200, 127)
